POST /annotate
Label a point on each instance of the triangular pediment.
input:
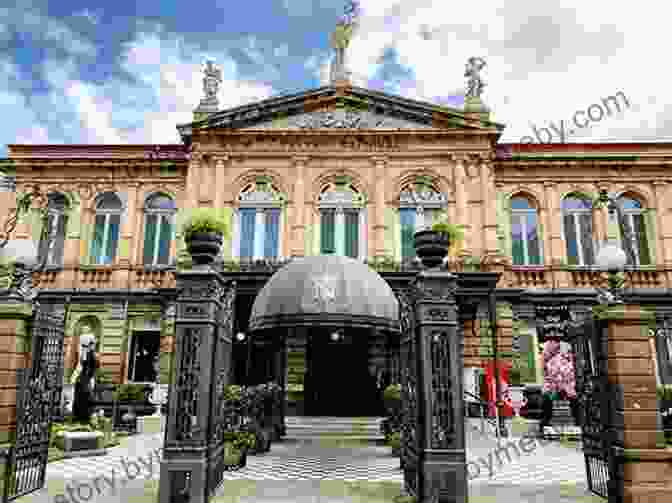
(332, 107)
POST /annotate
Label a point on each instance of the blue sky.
(127, 72)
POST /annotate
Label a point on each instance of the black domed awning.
(326, 291)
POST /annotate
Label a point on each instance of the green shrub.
(241, 439)
(205, 220)
(130, 393)
(104, 376)
(395, 440)
(664, 392)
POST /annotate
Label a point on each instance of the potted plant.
(236, 445)
(395, 443)
(432, 245)
(392, 403)
(204, 232)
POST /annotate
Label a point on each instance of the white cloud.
(544, 61)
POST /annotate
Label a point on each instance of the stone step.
(333, 428)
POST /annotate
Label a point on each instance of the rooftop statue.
(212, 78)
(340, 39)
(475, 84)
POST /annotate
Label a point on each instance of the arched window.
(525, 242)
(159, 215)
(56, 221)
(635, 222)
(342, 221)
(106, 229)
(420, 204)
(577, 219)
(257, 233)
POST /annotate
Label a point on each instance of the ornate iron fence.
(409, 393)
(38, 397)
(594, 402)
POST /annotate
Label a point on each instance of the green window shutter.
(651, 234)
(165, 237)
(504, 224)
(97, 241)
(392, 241)
(352, 233)
(150, 237)
(327, 232)
(407, 231)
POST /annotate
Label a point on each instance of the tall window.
(106, 229)
(419, 206)
(633, 214)
(159, 215)
(257, 226)
(56, 222)
(578, 229)
(342, 220)
(525, 243)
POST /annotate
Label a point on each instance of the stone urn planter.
(204, 232)
(431, 247)
(204, 246)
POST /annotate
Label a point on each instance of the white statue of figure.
(84, 376)
(475, 84)
(340, 39)
(212, 78)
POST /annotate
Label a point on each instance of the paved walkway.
(312, 472)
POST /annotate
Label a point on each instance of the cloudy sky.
(101, 71)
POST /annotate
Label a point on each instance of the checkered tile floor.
(548, 464)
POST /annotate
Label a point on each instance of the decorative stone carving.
(338, 197)
(425, 197)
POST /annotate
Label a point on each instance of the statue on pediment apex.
(212, 78)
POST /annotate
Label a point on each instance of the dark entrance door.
(338, 381)
(144, 350)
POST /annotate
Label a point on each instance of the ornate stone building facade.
(341, 170)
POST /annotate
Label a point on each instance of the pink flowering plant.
(559, 374)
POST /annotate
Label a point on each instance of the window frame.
(525, 214)
(351, 203)
(423, 209)
(107, 214)
(576, 222)
(629, 215)
(262, 206)
(162, 215)
(57, 215)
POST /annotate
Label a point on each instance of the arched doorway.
(338, 304)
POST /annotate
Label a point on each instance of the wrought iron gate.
(594, 402)
(39, 391)
(409, 394)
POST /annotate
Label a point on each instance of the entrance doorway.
(338, 381)
(141, 358)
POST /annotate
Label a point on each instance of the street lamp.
(23, 252)
(611, 258)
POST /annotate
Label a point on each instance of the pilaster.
(491, 246)
(298, 210)
(379, 175)
(638, 441)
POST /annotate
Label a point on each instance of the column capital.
(300, 159)
(549, 185)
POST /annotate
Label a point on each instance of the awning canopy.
(325, 291)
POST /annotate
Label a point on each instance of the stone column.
(460, 189)
(129, 230)
(663, 232)
(638, 441)
(297, 220)
(7, 197)
(205, 179)
(556, 248)
(490, 242)
(379, 250)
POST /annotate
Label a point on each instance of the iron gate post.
(442, 463)
(192, 453)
